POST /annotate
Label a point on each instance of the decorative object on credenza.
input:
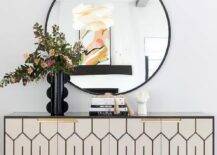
(53, 56)
(108, 105)
(57, 105)
(142, 100)
(116, 108)
(130, 110)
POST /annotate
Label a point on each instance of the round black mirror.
(134, 48)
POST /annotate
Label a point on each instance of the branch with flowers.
(53, 55)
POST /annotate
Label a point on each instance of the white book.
(106, 109)
(108, 101)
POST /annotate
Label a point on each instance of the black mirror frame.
(151, 77)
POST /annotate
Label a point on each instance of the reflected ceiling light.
(141, 3)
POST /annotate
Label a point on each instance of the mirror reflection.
(131, 51)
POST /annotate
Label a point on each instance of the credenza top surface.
(86, 115)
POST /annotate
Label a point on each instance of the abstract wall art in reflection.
(98, 45)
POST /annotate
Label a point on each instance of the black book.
(107, 106)
(107, 113)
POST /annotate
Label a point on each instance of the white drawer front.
(40, 145)
(188, 137)
(119, 141)
(135, 137)
(30, 137)
(74, 145)
(83, 136)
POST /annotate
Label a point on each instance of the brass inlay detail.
(55, 120)
(161, 120)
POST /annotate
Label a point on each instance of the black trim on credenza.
(86, 115)
(4, 136)
(213, 135)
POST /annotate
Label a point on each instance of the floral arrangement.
(52, 55)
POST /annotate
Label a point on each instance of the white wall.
(187, 81)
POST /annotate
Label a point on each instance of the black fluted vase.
(57, 93)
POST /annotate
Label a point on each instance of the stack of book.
(108, 106)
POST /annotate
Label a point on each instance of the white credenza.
(80, 134)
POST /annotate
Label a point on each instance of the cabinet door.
(135, 137)
(83, 137)
(120, 142)
(143, 144)
(149, 143)
(68, 142)
(101, 132)
(15, 142)
(30, 136)
(188, 136)
(173, 141)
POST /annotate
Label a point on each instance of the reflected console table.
(81, 134)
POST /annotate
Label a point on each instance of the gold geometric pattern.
(109, 136)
